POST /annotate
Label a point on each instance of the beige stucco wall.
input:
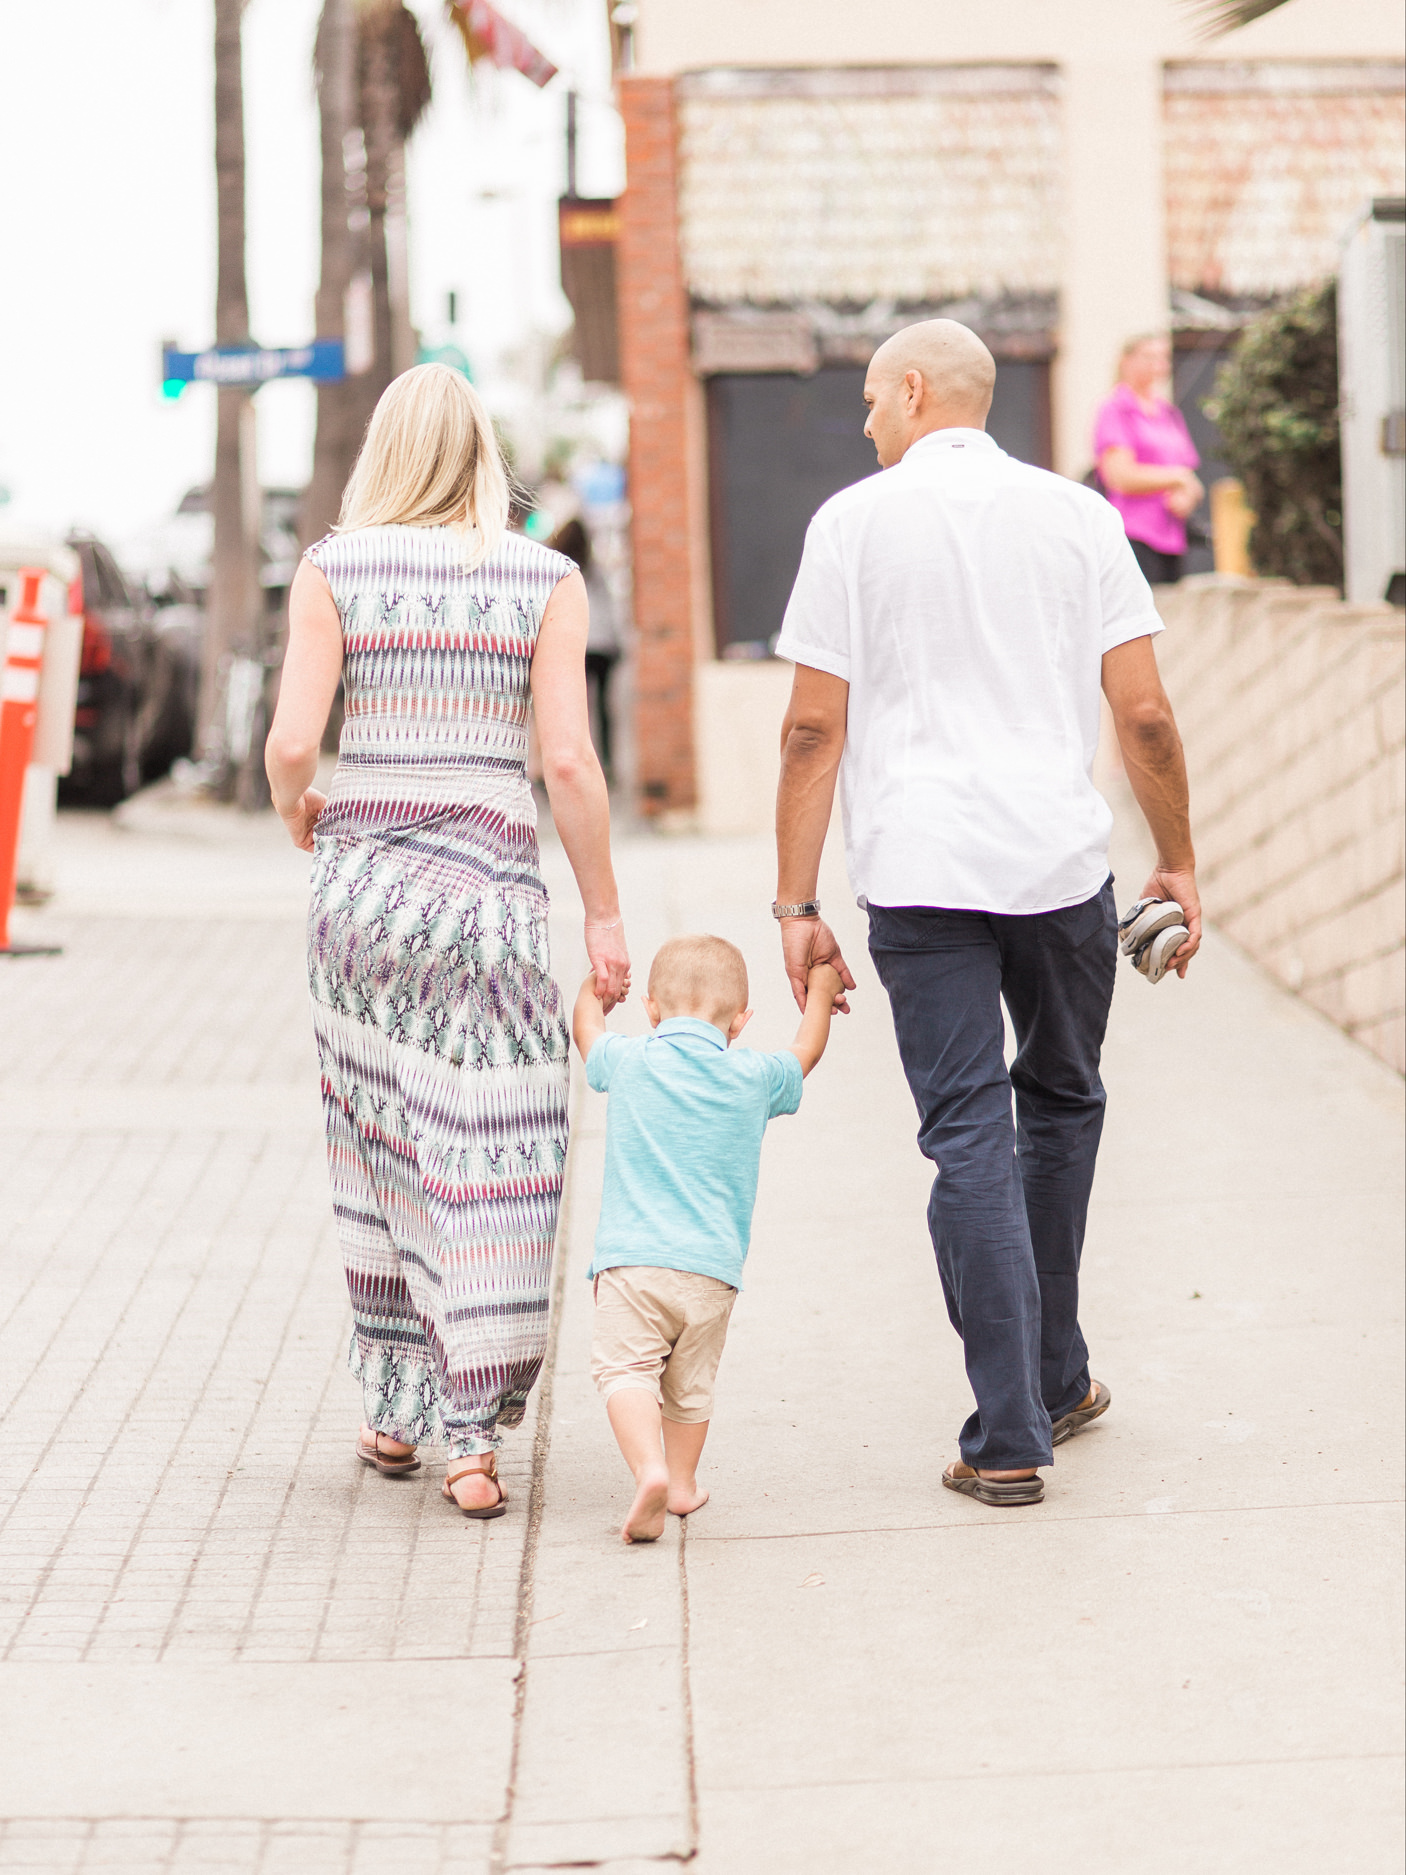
(1292, 711)
(1113, 277)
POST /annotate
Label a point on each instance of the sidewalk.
(226, 1645)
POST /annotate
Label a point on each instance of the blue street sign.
(249, 366)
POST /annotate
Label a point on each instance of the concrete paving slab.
(1214, 1561)
(602, 1772)
(1185, 1634)
(273, 1742)
(1242, 1819)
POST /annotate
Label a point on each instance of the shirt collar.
(692, 1025)
(976, 440)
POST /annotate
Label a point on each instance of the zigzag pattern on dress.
(441, 1035)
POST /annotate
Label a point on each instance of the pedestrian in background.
(441, 1035)
(1147, 460)
(951, 624)
(603, 638)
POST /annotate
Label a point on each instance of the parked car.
(114, 680)
(178, 619)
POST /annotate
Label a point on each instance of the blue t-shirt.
(683, 1141)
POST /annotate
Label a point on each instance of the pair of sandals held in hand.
(1151, 933)
(400, 1465)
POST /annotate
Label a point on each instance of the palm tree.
(234, 590)
(373, 86)
(1226, 16)
(340, 413)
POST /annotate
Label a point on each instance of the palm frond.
(1227, 16)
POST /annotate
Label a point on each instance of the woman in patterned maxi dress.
(441, 1035)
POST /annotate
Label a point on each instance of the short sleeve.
(1126, 606)
(816, 629)
(604, 1059)
(784, 1083)
(1113, 428)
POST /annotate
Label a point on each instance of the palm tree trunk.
(379, 112)
(233, 606)
(341, 408)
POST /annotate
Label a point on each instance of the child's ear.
(738, 1023)
(651, 1009)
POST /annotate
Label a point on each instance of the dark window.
(780, 445)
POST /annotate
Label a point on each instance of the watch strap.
(806, 908)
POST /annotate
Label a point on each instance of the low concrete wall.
(1291, 707)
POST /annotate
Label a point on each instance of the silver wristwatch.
(808, 908)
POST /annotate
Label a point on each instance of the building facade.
(1058, 174)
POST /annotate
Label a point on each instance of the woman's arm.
(311, 666)
(575, 785)
(1125, 475)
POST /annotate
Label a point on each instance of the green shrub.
(1276, 404)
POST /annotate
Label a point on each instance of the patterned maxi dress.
(440, 1033)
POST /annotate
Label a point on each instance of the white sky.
(108, 229)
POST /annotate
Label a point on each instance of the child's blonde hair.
(703, 973)
(430, 459)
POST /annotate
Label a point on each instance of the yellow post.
(1231, 521)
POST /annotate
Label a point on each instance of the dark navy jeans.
(1010, 1198)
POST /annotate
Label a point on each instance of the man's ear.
(738, 1023)
(651, 1009)
(914, 387)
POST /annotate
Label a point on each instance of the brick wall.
(658, 382)
(1291, 707)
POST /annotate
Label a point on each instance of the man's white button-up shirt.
(968, 599)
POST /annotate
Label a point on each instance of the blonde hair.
(699, 973)
(430, 459)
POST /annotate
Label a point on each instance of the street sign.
(249, 366)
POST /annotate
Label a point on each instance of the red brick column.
(654, 353)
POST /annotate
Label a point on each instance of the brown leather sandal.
(1002, 1491)
(1096, 1402)
(465, 1469)
(386, 1463)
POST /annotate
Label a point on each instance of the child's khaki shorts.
(663, 1332)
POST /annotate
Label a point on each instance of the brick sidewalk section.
(176, 1480)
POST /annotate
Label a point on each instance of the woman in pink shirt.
(1147, 460)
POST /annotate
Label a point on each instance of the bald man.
(951, 624)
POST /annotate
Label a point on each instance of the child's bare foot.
(645, 1523)
(686, 1498)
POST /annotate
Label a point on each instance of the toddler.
(682, 1145)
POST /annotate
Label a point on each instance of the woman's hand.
(301, 819)
(610, 960)
(1185, 498)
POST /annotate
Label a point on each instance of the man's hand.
(1181, 887)
(301, 818)
(806, 942)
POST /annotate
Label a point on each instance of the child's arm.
(587, 1018)
(823, 984)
